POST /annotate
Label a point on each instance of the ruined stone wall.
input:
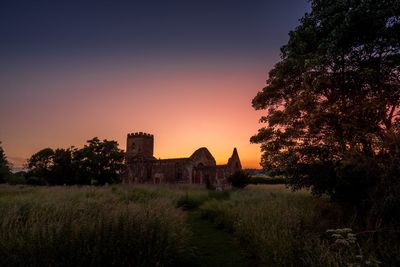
(206, 175)
(171, 171)
(221, 173)
(199, 168)
(233, 164)
(139, 171)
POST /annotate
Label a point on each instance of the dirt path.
(213, 247)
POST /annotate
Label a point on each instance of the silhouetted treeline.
(98, 162)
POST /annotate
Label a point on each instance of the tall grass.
(90, 227)
(278, 227)
(147, 226)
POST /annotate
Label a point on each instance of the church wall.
(199, 168)
(172, 170)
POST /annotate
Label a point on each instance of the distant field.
(263, 225)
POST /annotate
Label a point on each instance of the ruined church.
(199, 168)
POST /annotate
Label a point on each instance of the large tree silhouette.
(332, 102)
(100, 162)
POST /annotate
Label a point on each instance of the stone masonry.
(199, 168)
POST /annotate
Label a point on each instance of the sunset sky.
(185, 71)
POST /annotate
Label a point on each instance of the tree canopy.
(98, 162)
(332, 103)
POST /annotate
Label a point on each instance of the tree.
(4, 165)
(332, 102)
(100, 162)
(63, 171)
(40, 164)
(54, 167)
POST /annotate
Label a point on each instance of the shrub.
(33, 180)
(239, 179)
(15, 179)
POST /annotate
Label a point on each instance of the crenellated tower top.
(139, 145)
(140, 134)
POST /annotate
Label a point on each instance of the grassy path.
(214, 248)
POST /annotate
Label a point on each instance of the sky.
(183, 70)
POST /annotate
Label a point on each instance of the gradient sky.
(183, 70)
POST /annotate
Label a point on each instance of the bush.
(32, 180)
(15, 179)
(239, 179)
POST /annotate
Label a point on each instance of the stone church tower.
(139, 146)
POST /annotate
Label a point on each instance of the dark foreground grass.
(277, 227)
(182, 226)
(214, 247)
(72, 226)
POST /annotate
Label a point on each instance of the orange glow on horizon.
(185, 107)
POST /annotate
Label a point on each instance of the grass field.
(263, 225)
